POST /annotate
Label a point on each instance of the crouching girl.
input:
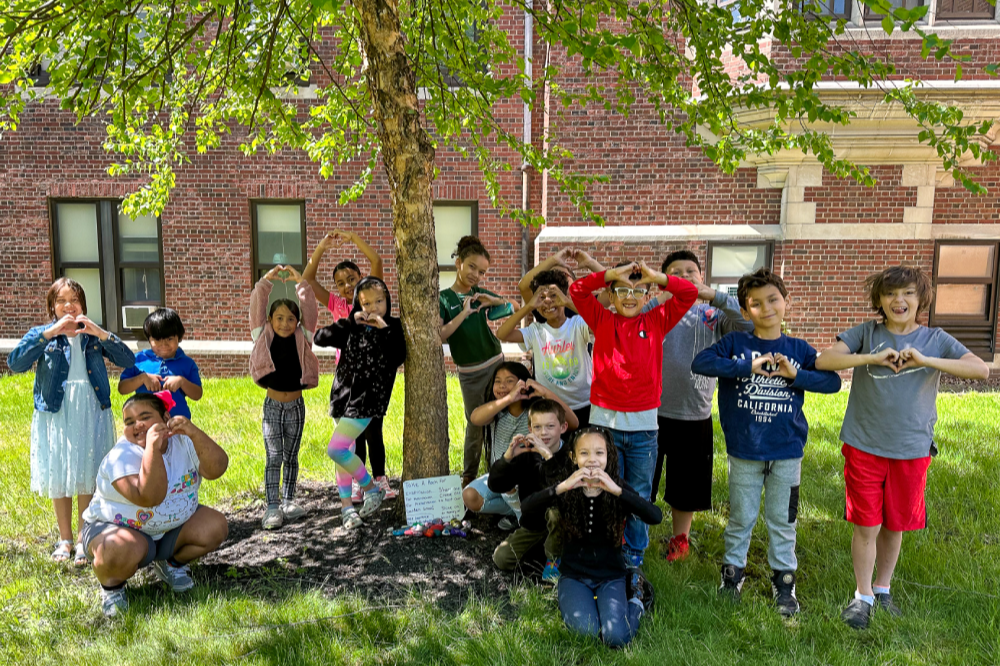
(146, 510)
(598, 593)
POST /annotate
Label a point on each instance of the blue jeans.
(592, 607)
(637, 455)
(501, 504)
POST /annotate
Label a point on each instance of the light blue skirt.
(67, 447)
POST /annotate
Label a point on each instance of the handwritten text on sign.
(437, 497)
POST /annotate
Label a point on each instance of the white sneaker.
(291, 510)
(114, 602)
(373, 500)
(273, 518)
(351, 519)
(178, 578)
(357, 495)
(383, 483)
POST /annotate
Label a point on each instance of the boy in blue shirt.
(164, 366)
(764, 376)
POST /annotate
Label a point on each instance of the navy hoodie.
(370, 357)
(762, 416)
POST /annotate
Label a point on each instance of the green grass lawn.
(946, 582)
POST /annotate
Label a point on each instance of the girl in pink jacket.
(282, 361)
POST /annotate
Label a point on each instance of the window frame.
(944, 16)
(963, 324)
(120, 265)
(729, 279)
(474, 226)
(255, 268)
(111, 308)
(868, 15)
(846, 16)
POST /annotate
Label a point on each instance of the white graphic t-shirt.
(183, 481)
(562, 361)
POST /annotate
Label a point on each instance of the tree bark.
(408, 156)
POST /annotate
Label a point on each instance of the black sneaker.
(638, 587)
(732, 581)
(783, 586)
(858, 614)
(884, 601)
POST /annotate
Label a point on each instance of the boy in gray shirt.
(685, 412)
(888, 430)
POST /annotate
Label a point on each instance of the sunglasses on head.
(626, 292)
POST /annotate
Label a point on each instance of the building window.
(965, 304)
(117, 259)
(964, 10)
(896, 4)
(834, 9)
(729, 261)
(278, 234)
(452, 220)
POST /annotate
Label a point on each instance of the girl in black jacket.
(594, 503)
(372, 349)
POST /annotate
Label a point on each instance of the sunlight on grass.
(946, 579)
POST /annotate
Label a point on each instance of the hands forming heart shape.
(774, 365)
(898, 361)
(285, 273)
(369, 319)
(73, 325)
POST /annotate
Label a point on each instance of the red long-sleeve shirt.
(628, 351)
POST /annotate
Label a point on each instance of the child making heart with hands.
(888, 430)
(146, 508)
(466, 310)
(282, 361)
(505, 414)
(597, 593)
(72, 427)
(370, 445)
(372, 349)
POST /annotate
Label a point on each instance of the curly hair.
(574, 506)
(894, 277)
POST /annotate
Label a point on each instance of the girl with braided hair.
(598, 593)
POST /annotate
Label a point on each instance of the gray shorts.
(160, 549)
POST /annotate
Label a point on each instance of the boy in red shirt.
(628, 356)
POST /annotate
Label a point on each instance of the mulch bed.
(316, 551)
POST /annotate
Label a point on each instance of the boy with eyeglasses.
(628, 355)
(763, 379)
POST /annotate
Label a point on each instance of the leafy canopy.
(175, 76)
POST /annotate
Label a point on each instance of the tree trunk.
(409, 161)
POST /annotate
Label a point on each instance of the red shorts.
(885, 491)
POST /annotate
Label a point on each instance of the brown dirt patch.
(316, 551)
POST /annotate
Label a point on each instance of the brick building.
(230, 216)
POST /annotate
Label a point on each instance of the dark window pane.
(141, 284)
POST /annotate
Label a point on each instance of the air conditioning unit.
(133, 316)
(729, 289)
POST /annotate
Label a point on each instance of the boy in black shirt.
(528, 464)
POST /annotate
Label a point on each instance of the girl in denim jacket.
(72, 428)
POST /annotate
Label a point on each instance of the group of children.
(574, 450)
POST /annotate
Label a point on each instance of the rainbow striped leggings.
(341, 451)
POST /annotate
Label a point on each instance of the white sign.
(436, 497)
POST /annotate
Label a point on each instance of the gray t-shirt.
(687, 396)
(893, 414)
(504, 429)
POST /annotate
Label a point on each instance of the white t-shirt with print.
(183, 482)
(562, 361)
